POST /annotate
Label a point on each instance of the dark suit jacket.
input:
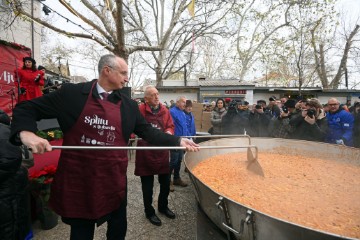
(66, 105)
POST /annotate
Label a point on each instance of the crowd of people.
(98, 113)
(307, 119)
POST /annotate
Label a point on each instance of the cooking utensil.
(252, 162)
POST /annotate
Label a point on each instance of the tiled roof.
(235, 82)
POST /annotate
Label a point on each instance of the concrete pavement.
(182, 201)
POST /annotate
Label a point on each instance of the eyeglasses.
(333, 104)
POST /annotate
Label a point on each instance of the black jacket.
(356, 130)
(67, 103)
(305, 131)
(14, 214)
(259, 123)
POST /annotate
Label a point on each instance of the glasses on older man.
(333, 104)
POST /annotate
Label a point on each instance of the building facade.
(206, 91)
(22, 30)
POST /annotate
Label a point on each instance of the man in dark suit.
(90, 186)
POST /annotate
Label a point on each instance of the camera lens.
(285, 109)
(310, 112)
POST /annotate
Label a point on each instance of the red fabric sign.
(235, 91)
(11, 56)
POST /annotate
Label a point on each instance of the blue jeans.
(176, 157)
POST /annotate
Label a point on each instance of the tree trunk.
(336, 81)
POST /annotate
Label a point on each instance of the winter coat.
(190, 124)
(305, 131)
(259, 123)
(233, 123)
(356, 130)
(340, 125)
(153, 162)
(179, 119)
(14, 212)
(216, 116)
(27, 81)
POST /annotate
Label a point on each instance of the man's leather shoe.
(168, 213)
(154, 220)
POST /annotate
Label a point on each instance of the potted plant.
(40, 185)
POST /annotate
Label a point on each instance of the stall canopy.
(11, 55)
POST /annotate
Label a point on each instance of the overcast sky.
(79, 66)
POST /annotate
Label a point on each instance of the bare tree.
(157, 25)
(319, 51)
(174, 39)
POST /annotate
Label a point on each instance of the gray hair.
(147, 89)
(180, 97)
(106, 60)
(334, 99)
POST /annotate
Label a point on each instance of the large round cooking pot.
(242, 222)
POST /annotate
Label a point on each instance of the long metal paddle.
(252, 162)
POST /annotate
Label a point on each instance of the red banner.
(235, 91)
(11, 55)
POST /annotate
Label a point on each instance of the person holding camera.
(259, 120)
(311, 123)
(30, 80)
(279, 127)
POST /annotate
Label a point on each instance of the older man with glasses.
(340, 124)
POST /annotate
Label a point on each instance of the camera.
(285, 109)
(311, 112)
(258, 106)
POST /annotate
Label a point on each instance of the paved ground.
(182, 201)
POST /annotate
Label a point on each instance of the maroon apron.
(152, 162)
(90, 184)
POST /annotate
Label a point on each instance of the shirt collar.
(100, 89)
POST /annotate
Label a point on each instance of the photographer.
(279, 127)
(259, 120)
(311, 123)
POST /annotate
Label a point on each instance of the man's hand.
(310, 120)
(190, 145)
(284, 114)
(340, 141)
(35, 143)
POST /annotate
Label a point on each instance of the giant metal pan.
(241, 222)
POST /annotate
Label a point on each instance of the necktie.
(104, 95)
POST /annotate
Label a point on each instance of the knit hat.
(273, 98)
(41, 67)
(290, 103)
(261, 101)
